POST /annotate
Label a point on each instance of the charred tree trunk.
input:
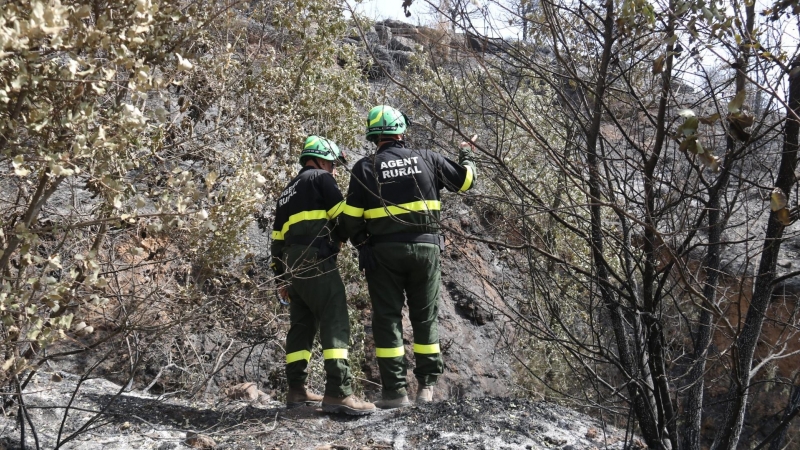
(651, 298)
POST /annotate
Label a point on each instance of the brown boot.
(400, 402)
(347, 405)
(300, 396)
(425, 395)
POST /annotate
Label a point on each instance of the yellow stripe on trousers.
(426, 349)
(335, 353)
(298, 356)
(390, 352)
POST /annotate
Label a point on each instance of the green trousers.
(317, 302)
(403, 271)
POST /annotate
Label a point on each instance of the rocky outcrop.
(389, 46)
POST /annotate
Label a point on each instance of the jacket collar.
(306, 169)
(390, 144)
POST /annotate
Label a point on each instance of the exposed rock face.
(471, 311)
(402, 43)
(391, 44)
(384, 33)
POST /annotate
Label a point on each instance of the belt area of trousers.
(314, 241)
(409, 238)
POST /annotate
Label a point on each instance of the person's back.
(302, 211)
(401, 188)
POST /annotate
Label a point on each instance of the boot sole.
(299, 404)
(341, 409)
(402, 405)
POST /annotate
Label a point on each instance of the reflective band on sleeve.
(426, 349)
(353, 211)
(298, 356)
(277, 236)
(335, 353)
(336, 210)
(299, 217)
(405, 208)
(468, 180)
(390, 352)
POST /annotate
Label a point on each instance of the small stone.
(244, 391)
(554, 440)
(195, 440)
(83, 330)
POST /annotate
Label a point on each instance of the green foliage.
(137, 140)
(75, 79)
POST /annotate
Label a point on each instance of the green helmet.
(319, 147)
(384, 119)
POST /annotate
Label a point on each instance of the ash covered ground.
(136, 420)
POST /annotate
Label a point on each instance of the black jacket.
(396, 190)
(306, 209)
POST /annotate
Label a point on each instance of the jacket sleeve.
(351, 220)
(334, 204)
(459, 176)
(276, 251)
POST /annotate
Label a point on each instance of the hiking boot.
(347, 405)
(301, 396)
(400, 402)
(425, 395)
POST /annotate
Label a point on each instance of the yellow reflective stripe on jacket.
(426, 349)
(395, 210)
(336, 210)
(298, 356)
(353, 211)
(335, 353)
(467, 181)
(299, 217)
(390, 352)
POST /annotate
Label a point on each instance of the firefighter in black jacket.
(304, 248)
(392, 216)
